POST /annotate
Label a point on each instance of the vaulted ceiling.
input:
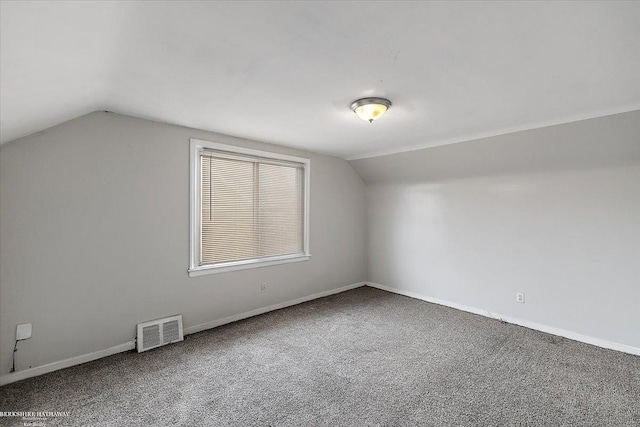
(286, 72)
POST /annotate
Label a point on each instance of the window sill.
(244, 265)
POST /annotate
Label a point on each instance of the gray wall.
(552, 212)
(94, 237)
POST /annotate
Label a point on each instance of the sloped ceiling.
(286, 72)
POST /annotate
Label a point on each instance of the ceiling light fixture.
(369, 109)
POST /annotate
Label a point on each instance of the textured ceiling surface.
(285, 72)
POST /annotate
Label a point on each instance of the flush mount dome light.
(369, 109)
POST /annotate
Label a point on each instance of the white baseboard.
(77, 360)
(236, 317)
(72, 361)
(520, 322)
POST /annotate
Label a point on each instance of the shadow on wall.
(612, 141)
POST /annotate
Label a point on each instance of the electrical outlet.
(520, 297)
(23, 331)
(263, 287)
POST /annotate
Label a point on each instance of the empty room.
(319, 213)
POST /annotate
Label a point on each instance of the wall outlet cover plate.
(23, 331)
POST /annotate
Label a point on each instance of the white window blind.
(251, 208)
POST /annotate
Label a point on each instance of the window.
(249, 208)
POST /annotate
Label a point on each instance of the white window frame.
(196, 145)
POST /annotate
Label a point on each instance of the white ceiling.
(286, 72)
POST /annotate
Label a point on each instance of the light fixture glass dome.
(370, 109)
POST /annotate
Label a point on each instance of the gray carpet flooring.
(360, 358)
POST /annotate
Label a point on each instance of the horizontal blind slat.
(250, 209)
